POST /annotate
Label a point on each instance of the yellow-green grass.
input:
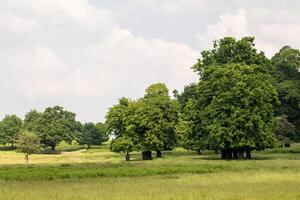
(216, 186)
(101, 174)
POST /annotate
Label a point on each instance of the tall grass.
(100, 174)
(217, 186)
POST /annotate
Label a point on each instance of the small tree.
(122, 145)
(28, 143)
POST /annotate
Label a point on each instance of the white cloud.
(72, 50)
(235, 25)
(171, 6)
(239, 24)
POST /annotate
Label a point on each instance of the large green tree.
(10, 128)
(165, 117)
(149, 122)
(55, 125)
(234, 110)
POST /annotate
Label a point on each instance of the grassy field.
(100, 174)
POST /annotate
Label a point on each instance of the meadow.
(100, 174)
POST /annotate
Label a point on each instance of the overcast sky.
(85, 54)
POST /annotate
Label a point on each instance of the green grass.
(100, 174)
(216, 186)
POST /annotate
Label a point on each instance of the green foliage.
(116, 117)
(122, 145)
(162, 116)
(149, 122)
(233, 109)
(189, 128)
(287, 74)
(141, 126)
(287, 63)
(189, 92)
(69, 146)
(92, 134)
(10, 128)
(31, 120)
(55, 125)
(285, 131)
(101, 128)
(229, 50)
(28, 143)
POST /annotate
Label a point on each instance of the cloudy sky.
(85, 54)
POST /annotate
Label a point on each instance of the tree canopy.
(229, 50)
(233, 109)
(149, 122)
(55, 125)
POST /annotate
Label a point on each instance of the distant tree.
(55, 125)
(287, 73)
(285, 131)
(28, 143)
(101, 127)
(91, 135)
(10, 127)
(189, 92)
(122, 145)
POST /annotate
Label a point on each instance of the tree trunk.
(147, 155)
(223, 154)
(241, 154)
(158, 154)
(12, 144)
(198, 152)
(53, 148)
(248, 154)
(227, 154)
(26, 158)
(127, 157)
(235, 154)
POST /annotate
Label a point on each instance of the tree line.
(243, 101)
(48, 129)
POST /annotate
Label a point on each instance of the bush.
(65, 146)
